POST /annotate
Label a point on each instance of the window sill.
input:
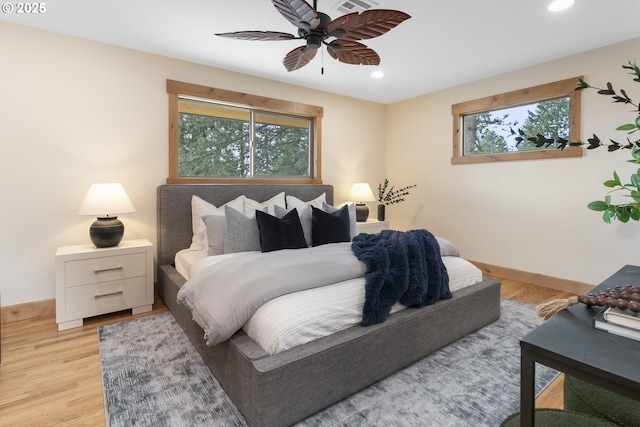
(523, 155)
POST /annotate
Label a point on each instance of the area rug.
(152, 376)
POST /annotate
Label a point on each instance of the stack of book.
(625, 323)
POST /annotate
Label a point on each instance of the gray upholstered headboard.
(174, 207)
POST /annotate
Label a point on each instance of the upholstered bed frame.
(282, 389)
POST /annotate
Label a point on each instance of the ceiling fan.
(316, 28)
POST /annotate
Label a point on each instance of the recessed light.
(558, 5)
(377, 74)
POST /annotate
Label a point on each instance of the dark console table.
(568, 342)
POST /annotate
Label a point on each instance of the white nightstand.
(92, 281)
(371, 226)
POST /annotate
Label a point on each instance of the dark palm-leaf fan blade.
(298, 58)
(367, 25)
(258, 35)
(298, 12)
(351, 52)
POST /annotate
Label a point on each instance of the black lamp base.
(362, 212)
(106, 232)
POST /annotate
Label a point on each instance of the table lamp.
(361, 192)
(103, 201)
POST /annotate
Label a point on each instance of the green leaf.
(608, 91)
(628, 126)
(635, 213)
(606, 217)
(614, 146)
(613, 182)
(593, 142)
(582, 85)
(598, 206)
(623, 214)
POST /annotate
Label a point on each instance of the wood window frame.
(530, 95)
(315, 113)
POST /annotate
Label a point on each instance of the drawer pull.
(103, 270)
(120, 292)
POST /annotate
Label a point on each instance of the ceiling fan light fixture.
(559, 5)
(378, 74)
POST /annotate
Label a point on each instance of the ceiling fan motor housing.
(316, 36)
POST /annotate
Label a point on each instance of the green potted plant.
(390, 196)
(623, 212)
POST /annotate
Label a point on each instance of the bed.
(283, 388)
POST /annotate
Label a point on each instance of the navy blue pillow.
(330, 227)
(280, 233)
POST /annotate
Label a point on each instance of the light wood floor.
(51, 378)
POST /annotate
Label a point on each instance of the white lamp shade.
(106, 199)
(361, 192)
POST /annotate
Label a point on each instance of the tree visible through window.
(210, 145)
(282, 145)
(215, 140)
(497, 131)
(527, 124)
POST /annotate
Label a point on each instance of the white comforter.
(302, 317)
(224, 295)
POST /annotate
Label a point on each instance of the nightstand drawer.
(106, 297)
(104, 269)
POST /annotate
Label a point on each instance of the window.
(222, 136)
(526, 124)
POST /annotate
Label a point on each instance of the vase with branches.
(390, 196)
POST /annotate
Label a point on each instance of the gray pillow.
(241, 232)
(447, 248)
(215, 225)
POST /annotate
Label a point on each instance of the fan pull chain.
(322, 61)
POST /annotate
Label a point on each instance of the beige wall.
(74, 112)
(525, 215)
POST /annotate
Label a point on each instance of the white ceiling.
(444, 44)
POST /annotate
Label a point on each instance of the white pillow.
(250, 205)
(304, 212)
(294, 202)
(200, 208)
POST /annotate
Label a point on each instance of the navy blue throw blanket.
(401, 266)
